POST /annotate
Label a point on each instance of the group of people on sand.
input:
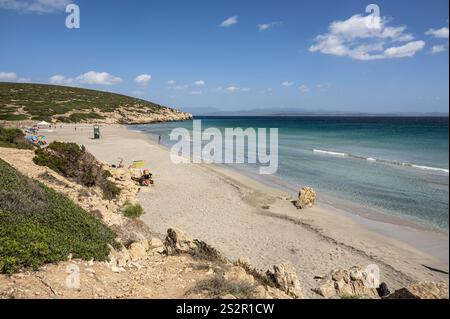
(145, 178)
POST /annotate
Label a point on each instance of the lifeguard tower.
(96, 132)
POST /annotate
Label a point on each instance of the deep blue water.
(409, 178)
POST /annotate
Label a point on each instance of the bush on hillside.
(133, 211)
(39, 225)
(13, 138)
(74, 162)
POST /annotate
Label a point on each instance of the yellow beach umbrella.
(139, 164)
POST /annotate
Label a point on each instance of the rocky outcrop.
(351, 283)
(178, 242)
(140, 115)
(422, 290)
(306, 198)
(285, 278)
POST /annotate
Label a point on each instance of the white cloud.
(8, 76)
(287, 83)
(406, 50)
(59, 79)
(200, 83)
(91, 77)
(171, 82)
(267, 26)
(200, 92)
(36, 6)
(357, 38)
(23, 80)
(143, 79)
(438, 48)
(234, 89)
(13, 77)
(323, 87)
(441, 33)
(229, 22)
(181, 87)
(101, 78)
(304, 88)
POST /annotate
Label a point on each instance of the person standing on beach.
(159, 139)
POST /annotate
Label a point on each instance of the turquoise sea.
(397, 166)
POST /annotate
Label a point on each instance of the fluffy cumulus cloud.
(362, 38)
(200, 83)
(37, 6)
(229, 22)
(12, 77)
(440, 34)
(438, 48)
(143, 79)
(8, 76)
(91, 77)
(287, 83)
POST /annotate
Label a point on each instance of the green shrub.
(13, 138)
(133, 211)
(110, 190)
(39, 225)
(73, 161)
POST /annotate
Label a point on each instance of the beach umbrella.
(139, 164)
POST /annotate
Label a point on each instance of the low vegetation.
(25, 101)
(39, 225)
(133, 210)
(218, 286)
(13, 138)
(74, 162)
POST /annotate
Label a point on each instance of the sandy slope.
(226, 210)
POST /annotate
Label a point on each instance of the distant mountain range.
(301, 112)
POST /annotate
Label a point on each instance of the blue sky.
(234, 55)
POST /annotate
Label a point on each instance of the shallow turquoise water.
(409, 178)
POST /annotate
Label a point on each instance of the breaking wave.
(376, 160)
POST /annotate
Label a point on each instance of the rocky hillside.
(37, 102)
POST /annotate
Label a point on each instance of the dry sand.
(243, 217)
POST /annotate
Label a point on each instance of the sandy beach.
(241, 216)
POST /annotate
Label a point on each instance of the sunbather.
(145, 179)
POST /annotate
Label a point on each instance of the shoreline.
(358, 212)
(225, 208)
